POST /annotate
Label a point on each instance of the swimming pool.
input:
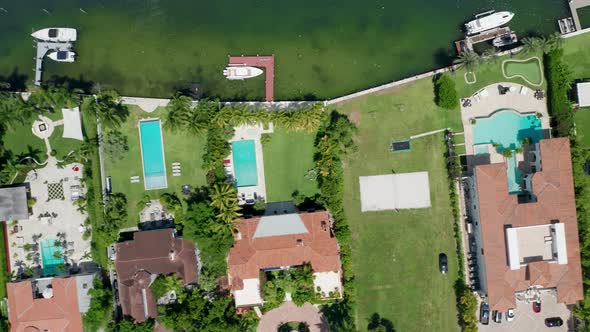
(507, 129)
(49, 258)
(244, 156)
(152, 154)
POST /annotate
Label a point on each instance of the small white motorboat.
(241, 72)
(487, 21)
(505, 40)
(62, 56)
(56, 34)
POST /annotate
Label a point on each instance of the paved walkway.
(289, 312)
(147, 104)
(429, 133)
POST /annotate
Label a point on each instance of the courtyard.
(56, 233)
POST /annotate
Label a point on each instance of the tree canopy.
(445, 92)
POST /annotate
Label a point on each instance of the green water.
(323, 48)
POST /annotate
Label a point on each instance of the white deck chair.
(524, 90)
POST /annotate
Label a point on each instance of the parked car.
(537, 306)
(510, 315)
(553, 322)
(442, 263)
(497, 316)
(484, 314)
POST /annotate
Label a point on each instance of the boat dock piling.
(466, 45)
(265, 61)
(42, 49)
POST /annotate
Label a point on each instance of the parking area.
(527, 320)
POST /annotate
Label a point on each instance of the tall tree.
(469, 60)
(179, 109)
(108, 109)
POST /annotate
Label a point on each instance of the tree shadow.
(14, 82)
(380, 324)
(443, 57)
(71, 83)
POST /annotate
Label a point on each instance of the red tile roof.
(58, 313)
(249, 255)
(151, 253)
(554, 189)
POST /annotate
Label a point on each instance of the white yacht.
(62, 56)
(488, 20)
(505, 40)
(56, 34)
(241, 72)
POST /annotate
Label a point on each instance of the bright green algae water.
(323, 48)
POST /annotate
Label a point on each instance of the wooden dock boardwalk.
(42, 49)
(266, 61)
(466, 44)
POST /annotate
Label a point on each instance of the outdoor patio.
(56, 223)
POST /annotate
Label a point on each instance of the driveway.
(526, 320)
(289, 312)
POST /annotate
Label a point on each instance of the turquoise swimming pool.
(50, 259)
(244, 157)
(152, 154)
(507, 129)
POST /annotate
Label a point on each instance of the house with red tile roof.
(48, 304)
(280, 242)
(138, 262)
(528, 242)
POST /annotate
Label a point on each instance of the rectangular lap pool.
(244, 156)
(152, 154)
(52, 257)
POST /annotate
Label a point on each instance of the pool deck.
(252, 133)
(522, 103)
(265, 61)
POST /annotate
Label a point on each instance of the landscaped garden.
(179, 147)
(395, 253)
(288, 164)
(576, 54)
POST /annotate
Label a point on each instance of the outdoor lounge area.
(53, 238)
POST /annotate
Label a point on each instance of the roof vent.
(172, 255)
(299, 242)
(48, 293)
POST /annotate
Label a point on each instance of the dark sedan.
(553, 322)
(442, 263)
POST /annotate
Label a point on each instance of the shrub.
(445, 92)
(559, 81)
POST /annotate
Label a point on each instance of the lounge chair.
(175, 167)
(524, 90)
(176, 163)
(484, 93)
(176, 174)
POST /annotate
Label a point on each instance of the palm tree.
(491, 54)
(178, 109)
(222, 117)
(108, 109)
(469, 59)
(530, 45)
(223, 195)
(555, 41)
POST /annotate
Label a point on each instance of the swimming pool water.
(507, 129)
(152, 154)
(244, 156)
(49, 261)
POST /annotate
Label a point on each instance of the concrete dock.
(574, 5)
(42, 49)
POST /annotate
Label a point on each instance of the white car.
(510, 315)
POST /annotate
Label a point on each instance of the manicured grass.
(288, 157)
(396, 253)
(582, 118)
(576, 51)
(178, 147)
(61, 145)
(529, 69)
(19, 139)
(4, 276)
(490, 72)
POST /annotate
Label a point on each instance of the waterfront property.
(49, 304)
(283, 241)
(152, 154)
(139, 261)
(526, 244)
(408, 240)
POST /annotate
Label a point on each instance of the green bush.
(100, 312)
(445, 92)
(559, 82)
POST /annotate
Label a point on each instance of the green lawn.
(20, 140)
(4, 276)
(180, 147)
(287, 159)
(396, 253)
(582, 118)
(61, 145)
(577, 55)
(490, 72)
(529, 69)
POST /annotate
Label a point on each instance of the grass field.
(396, 253)
(577, 55)
(21, 141)
(61, 145)
(490, 72)
(582, 118)
(287, 159)
(180, 147)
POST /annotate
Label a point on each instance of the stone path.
(429, 133)
(289, 312)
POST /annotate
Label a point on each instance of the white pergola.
(72, 123)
